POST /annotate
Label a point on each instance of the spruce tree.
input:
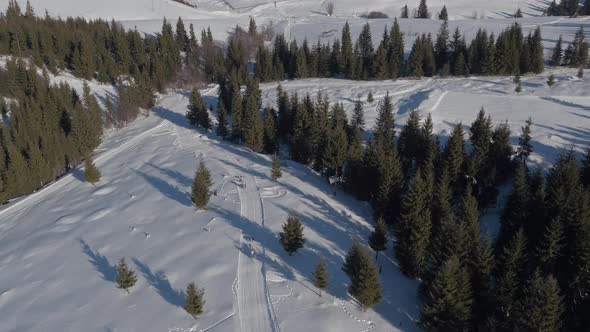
(454, 152)
(276, 168)
(346, 51)
(270, 131)
(551, 80)
(444, 15)
(524, 143)
(91, 173)
(195, 301)
(412, 231)
(557, 52)
(125, 276)
(378, 238)
(358, 116)
(541, 306)
(405, 12)
(580, 73)
(222, 123)
(291, 237)
(320, 275)
(422, 11)
(448, 301)
(550, 248)
(509, 278)
(364, 277)
(515, 212)
(201, 185)
(370, 97)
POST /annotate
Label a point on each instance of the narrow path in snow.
(253, 305)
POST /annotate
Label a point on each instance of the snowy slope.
(561, 113)
(58, 247)
(307, 18)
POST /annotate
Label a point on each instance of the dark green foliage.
(518, 13)
(370, 97)
(405, 13)
(412, 231)
(576, 55)
(91, 173)
(270, 138)
(422, 11)
(197, 113)
(454, 152)
(201, 185)
(222, 123)
(252, 125)
(444, 15)
(320, 275)
(378, 238)
(276, 173)
(510, 270)
(515, 213)
(557, 52)
(551, 80)
(580, 73)
(195, 300)
(364, 285)
(541, 307)
(291, 237)
(447, 306)
(550, 248)
(524, 143)
(125, 276)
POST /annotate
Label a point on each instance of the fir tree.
(291, 237)
(91, 173)
(541, 306)
(444, 15)
(557, 53)
(405, 12)
(412, 231)
(276, 168)
(270, 131)
(125, 276)
(549, 248)
(364, 277)
(509, 278)
(194, 302)
(422, 11)
(551, 80)
(320, 275)
(524, 143)
(378, 238)
(346, 51)
(201, 185)
(518, 13)
(358, 116)
(370, 97)
(454, 152)
(222, 123)
(448, 302)
(580, 73)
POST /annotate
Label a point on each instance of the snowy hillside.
(58, 246)
(308, 19)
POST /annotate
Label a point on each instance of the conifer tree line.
(447, 53)
(48, 130)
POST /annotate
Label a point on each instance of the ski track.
(438, 101)
(254, 306)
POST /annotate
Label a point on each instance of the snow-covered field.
(58, 247)
(300, 19)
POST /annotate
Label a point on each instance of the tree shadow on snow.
(167, 189)
(159, 281)
(176, 175)
(100, 262)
